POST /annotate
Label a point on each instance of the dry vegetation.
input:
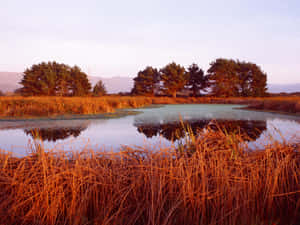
(55, 106)
(219, 183)
(212, 180)
(280, 104)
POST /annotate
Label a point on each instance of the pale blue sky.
(118, 38)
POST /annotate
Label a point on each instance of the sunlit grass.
(214, 179)
(56, 106)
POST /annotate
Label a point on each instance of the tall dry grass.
(280, 104)
(56, 106)
(212, 180)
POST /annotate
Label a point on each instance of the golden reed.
(213, 179)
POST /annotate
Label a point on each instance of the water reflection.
(152, 123)
(172, 131)
(248, 129)
(54, 134)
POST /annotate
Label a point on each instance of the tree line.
(224, 78)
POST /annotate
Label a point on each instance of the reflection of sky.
(279, 130)
(112, 133)
(171, 113)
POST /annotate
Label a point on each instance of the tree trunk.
(174, 94)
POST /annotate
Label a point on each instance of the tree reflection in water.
(172, 131)
(54, 134)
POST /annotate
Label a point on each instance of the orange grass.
(219, 183)
(57, 106)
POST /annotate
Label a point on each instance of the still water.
(153, 127)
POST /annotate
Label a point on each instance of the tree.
(174, 78)
(1, 93)
(146, 82)
(223, 78)
(80, 85)
(197, 81)
(253, 82)
(54, 79)
(99, 89)
(229, 78)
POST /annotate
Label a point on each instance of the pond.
(153, 127)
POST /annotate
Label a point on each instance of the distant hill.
(9, 81)
(114, 84)
(288, 88)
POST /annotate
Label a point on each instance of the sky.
(121, 37)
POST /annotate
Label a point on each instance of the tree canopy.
(99, 89)
(196, 81)
(224, 78)
(146, 81)
(54, 79)
(229, 78)
(253, 81)
(174, 78)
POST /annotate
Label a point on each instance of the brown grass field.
(25, 107)
(210, 180)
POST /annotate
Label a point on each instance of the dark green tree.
(174, 78)
(99, 89)
(223, 78)
(80, 85)
(54, 79)
(62, 75)
(253, 81)
(39, 80)
(146, 82)
(230, 78)
(197, 81)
